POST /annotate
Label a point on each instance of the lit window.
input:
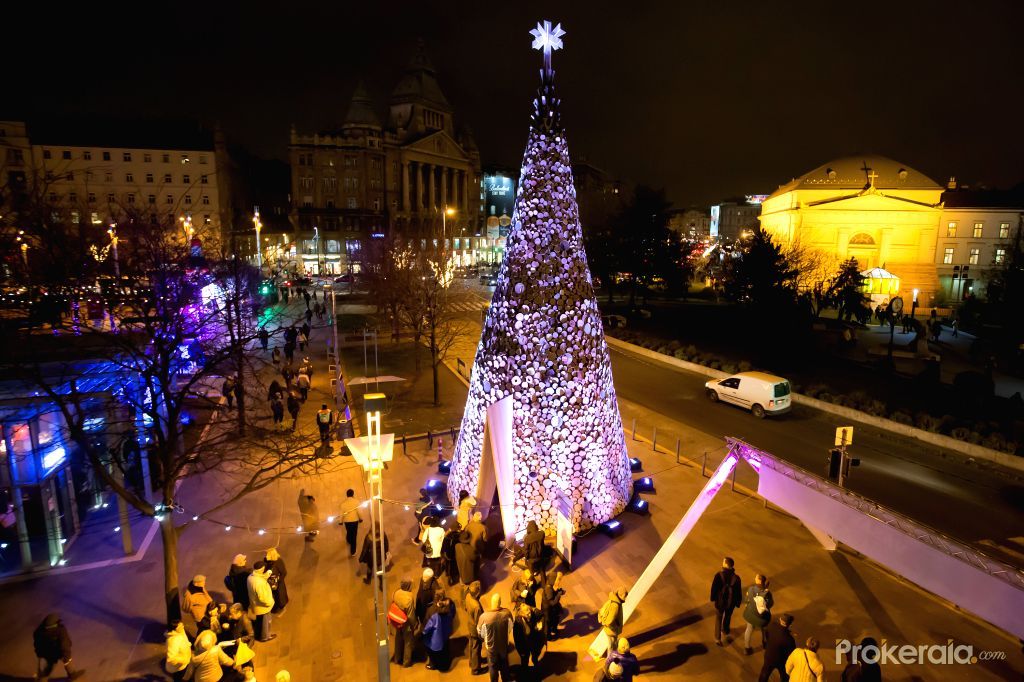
(206, 218)
(947, 255)
(127, 156)
(1004, 230)
(128, 177)
(1000, 256)
(206, 200)
(75, 216)
(87, 156)
(149, 177)
(975, 254)
(170, 199)
(106, 156)
(951, 229)
(978, 229)
(148, 158)
(351, 202)
(66, 155)
(94, 218)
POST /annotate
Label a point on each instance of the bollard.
(678, 443)
(704, 465)
(654, 439)
(403, 444)
(430, 439)
(440, 449)
(634, 428)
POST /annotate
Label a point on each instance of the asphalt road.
(983, 507)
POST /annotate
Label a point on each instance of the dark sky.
(707, 99)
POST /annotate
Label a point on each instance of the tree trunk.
(434, 362)
(169, 538)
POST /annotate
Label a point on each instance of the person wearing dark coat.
(862, 671)
(275, 389)
(533, 546)
(276, 574)
(448, 565)
(52, 643)
(726, 595)
(237, 580)
(425, 594)
(264, 338)
(527, 637)
(779, 644)
(293, 408)
(473, 612)
(466, 558)
(306, 329)
(437, 631)
(552, 603)
(370, 541)
(238, 626)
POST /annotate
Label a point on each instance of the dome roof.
(419, 84)
(852, 173)
(360, 111)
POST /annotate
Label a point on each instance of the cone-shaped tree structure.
(543, 345)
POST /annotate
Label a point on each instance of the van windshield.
(782, 390)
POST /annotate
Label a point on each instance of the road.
(935, 486)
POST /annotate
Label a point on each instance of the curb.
(971, 450)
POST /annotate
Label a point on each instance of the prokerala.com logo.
(909, 654)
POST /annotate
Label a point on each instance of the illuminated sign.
(53, 458)
(716, 212)
(756, 199)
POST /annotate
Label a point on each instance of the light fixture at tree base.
(612, 528)
(643, 485)
(635, 465)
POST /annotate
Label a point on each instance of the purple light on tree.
(543, 345)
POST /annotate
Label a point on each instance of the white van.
(761, 393)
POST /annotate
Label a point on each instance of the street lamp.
(372, 452)
(186, 223)
(259, 247)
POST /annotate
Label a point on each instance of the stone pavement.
(326, 632)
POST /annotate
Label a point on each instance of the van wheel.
(713, 395)
(757, 411)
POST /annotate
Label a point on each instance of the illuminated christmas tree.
(543, 345)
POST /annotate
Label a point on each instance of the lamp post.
(259, 245)
(372, 452)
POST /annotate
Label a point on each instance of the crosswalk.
(468, 305)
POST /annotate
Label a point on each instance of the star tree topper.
(547, 39)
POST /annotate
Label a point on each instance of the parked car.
(488, 280)
(347, 278)
(761, 393)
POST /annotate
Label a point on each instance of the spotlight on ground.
(643, 485)
(612, 529)
(444, 467)
(635, 465)
(638, 505)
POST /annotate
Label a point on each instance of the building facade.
(690, 223)
(367, 178)
(731, 219)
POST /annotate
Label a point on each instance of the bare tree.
(816, 269)
(432, 300)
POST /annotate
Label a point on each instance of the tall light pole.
(372, 452)
(259, 245)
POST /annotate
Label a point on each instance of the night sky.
(706, 99)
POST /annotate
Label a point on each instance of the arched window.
(862, 238)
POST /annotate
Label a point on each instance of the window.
(108, 177)
(307, 201)
(94, 218)
(151, 199)
(376, 204)
(185, 179)
(1000, 256)
(70, 176)
(309, 246)
(302, 159)
(129, 177)
(149, 177)
(331, 184)
(127, 156)
(110, 198)
(975, 254)
(106, 156)
(73, 197)
(206, 218)
(978, 229)
(66, 155)
(351, 202)
(306, 183)
(46, 154)
(951, 229)
(188, 198)
(166, 158)
(92, 197)
(87, 156)
(167, 178)
(170, 199)
(333, 246)
(202, 160)
(131, 198)
(75, 216)
(947, 254)
(1004, 230)
(148, 158)
(203, 180)
(206, 200)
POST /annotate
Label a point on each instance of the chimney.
(952, 182)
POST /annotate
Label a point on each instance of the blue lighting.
(638, 506)
(433, 483)
(444, 467)
(611, 528)
(645, 484)
(635, 465)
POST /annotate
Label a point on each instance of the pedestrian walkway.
(327, 631)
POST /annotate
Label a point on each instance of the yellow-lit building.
(883, 213)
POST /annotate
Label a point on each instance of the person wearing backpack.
(726, 595)
(803, 665)
(758, 612)
(610, 615)
(402, 618)
(324, 419)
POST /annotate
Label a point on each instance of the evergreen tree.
(847, 290)
(760, 276)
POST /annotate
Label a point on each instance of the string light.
(227, 527)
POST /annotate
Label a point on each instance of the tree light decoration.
(543, 345)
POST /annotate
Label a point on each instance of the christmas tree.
(543, 345)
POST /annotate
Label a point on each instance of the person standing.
(609, 673)
(803, 665)
(302, 383)
(289, 351)
(758, 612)
(370, 544)
(277, 411)
(264, 338)
(466, 558)
(208, 660)
(431, 541)
(779, 644)
(293, 408)
(261, 601)
(477, 532)
(196, 599)
(275, 357)
(276, 574)
(862, 671)
(473, 612)
(425, 592)
(493, 628)
(238, 626)
(726, 595)
(404, 633)
(610, 615)
(552, 603)
(237, 580)
(227, 390)
(310, 515)
(533, 546)
(620, 654)
(436, 633)
(351, 518)
(524, 636)
(306, 297)
(324, 419)
(52, 643)
(466, 504)
(179, 651)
